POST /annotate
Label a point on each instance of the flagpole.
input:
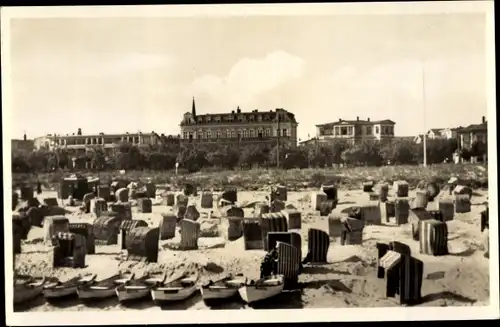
(278, 141)
(424, 114)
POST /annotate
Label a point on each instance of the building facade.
(239, 128)
(80, 143)
(356, 131)
(473, 133)
(22, 145)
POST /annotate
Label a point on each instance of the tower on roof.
(193, 109)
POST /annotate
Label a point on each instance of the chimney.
(232, 111)
(340, 119)
(238, 110)
(24, 137)
(484, 119)
(357, 118)
(368, 119)
(79, 132)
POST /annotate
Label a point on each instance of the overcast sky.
(129, 74)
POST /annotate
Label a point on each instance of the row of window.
(98, 141)
(232, 133)
(236, 118)
(349, 130)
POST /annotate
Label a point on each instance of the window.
(252, 133)
(199, 134)
(260, 133)
(209, 134)
(190, 136)
(277, 132)
(245, 133)
(219, 133)
(369, 130)
(267, 132)
(343, 131)
(377, 130)
(233, 133)
(284, 132)
(259, 118)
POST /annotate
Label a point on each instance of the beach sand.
(348, 280)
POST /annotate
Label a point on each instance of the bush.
(194, 158)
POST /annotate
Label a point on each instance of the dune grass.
(473, 175)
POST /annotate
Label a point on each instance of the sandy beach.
(348, 280)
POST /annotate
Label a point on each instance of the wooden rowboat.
(135, 289)
(104, 288)
(177, 289)
(55, 289)
(223, 288)
(26, 288)
(262, 289)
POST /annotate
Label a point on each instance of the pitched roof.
(358, 122)
(474, 127)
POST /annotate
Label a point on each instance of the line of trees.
(196, 157)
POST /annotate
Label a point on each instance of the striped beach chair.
(87, 198)
(318, 243)
(190, 189)
(326, 207)
(252, 234)
(168, 199)
(415, 217)
(278, 192)
(150, 190)
(272, 222)
(335, 225)
(462, 203)
(485, 219)
(383, 192)
(411, 278)
(401, 188)
(207, 200)
(97, 206)
(123, 210)
(368, 186)
(167, 225)
(142, 244)
(181, 200)
(486, 242)
(433, 237)
(122, 195)
(104, 192)
(401, 211)
(390, 210)
(421, 200)
(294, 218)
(436, 214)
(106, 229)
(274, 237)
(125, 228)
(144, 205)
(330, 191)
(191, 213)
(288, 263)
(232, 211)
(276, 205)
(230, 194)
(235, 228)
(390, 263)
(317, 198)
(53, 225)
(87, 231)
(447, 208)
(69, 250)
(382, 249)
(190, 232)
(351, 237)
(260, 209)
(371, 214)
(400, 247)
(16, 238)
(432, 191)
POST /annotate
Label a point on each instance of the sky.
(117, 75)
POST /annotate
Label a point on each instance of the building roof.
(474, 128)
(358, 122)
(268, 116)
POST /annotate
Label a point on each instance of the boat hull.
(58, 292)
(251, 294)
(162, 295)
(209, 293)
(131, 295)
(22, 294)
(89, 294)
